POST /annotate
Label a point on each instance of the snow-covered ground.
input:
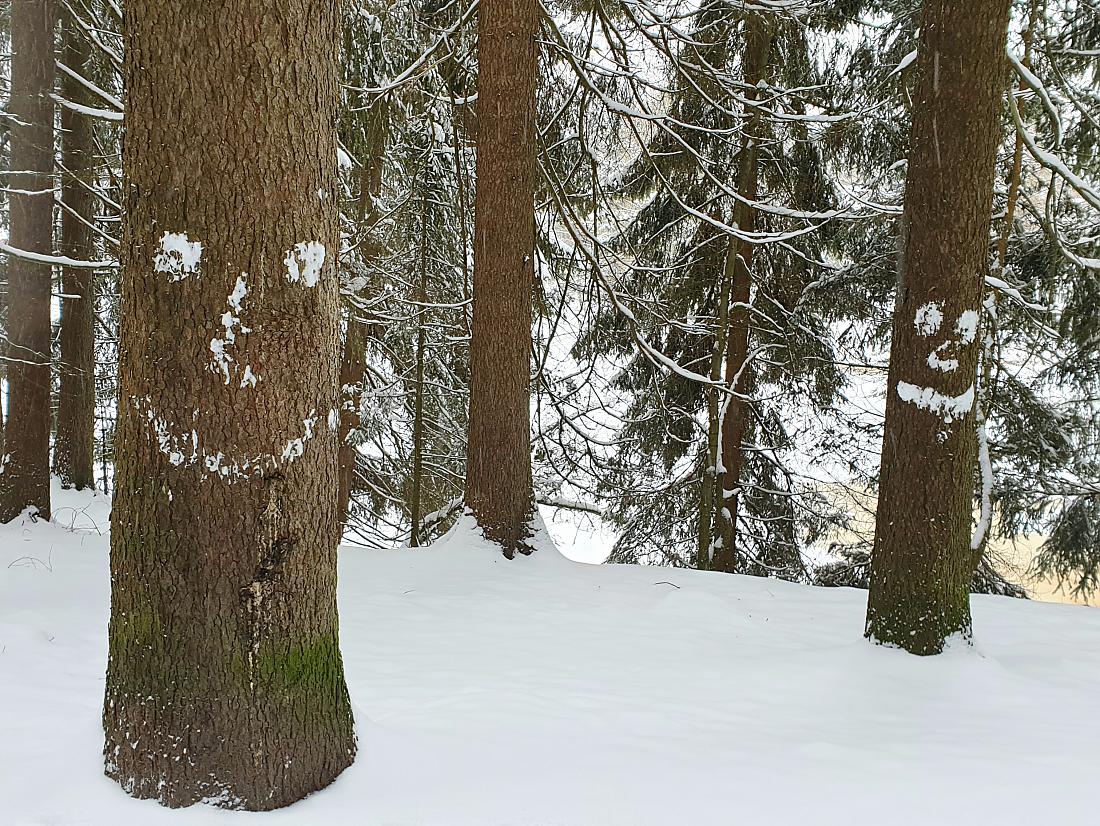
(542, 691)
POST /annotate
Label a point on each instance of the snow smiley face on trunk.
(928, 321)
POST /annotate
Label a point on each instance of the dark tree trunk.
(735, 416)
(225, 682)
(417, 485)
(75, 439)
(25, 464)
(922, 560)
(353, 365)
(498, 473)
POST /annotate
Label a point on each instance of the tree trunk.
(735, 412)
(498, 473)
(353, 367)
(225, 682)
(922, 560)
(708, 481)
(75, 440)
(417, 485)
(353, 364)
(25, 465)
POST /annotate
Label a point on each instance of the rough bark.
(498, 474)
(75, 439)
(922, 561)
(25, 465)
(225, 682)
(759, 34)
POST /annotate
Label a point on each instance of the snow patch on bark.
(986, 515)
(967, 326)
(178, 256)
(928, 398)
(304, 263)
(219, 345)
(249, 379)
(187, 449)
(942, 364)
(928, 319)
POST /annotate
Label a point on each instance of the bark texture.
(922, 560)
(75, 439)
(225, 682)
(498, 473)
(25, 464)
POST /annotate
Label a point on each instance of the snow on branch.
(60, 260)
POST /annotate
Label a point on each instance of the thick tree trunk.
(759, 34)
(922, 560)
(75, 439)
(498, 473)
(25, 464)
(225, 682)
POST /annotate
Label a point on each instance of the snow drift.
(542, 691)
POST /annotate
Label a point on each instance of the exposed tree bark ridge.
(75, 440)
(922, 561)
(498, 474)
(25, 464)
(225, 682)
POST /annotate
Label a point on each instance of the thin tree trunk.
(25, 464)
(225, 682)
(353, 365)
(498, 474)
(708, 483)
(418, 389)
(75, 440)
(759, 34)
(922, 560)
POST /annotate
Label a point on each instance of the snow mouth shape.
(928, 398)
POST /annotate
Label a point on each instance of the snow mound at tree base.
(540, 691)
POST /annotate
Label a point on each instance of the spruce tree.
(75, 438)
(498, 474)
(922, 561)
(25, 462)
(225, 681)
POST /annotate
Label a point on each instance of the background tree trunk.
(25, 464)
(759, 34)
(225, 681)
(75, 439)
(922, 560)
(498, 473)
(353, 366)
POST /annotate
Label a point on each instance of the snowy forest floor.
(547, 692)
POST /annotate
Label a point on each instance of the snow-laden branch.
(60, 260)
(415, 68)
(87, 84)
(90, 111)
(1052, 162)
